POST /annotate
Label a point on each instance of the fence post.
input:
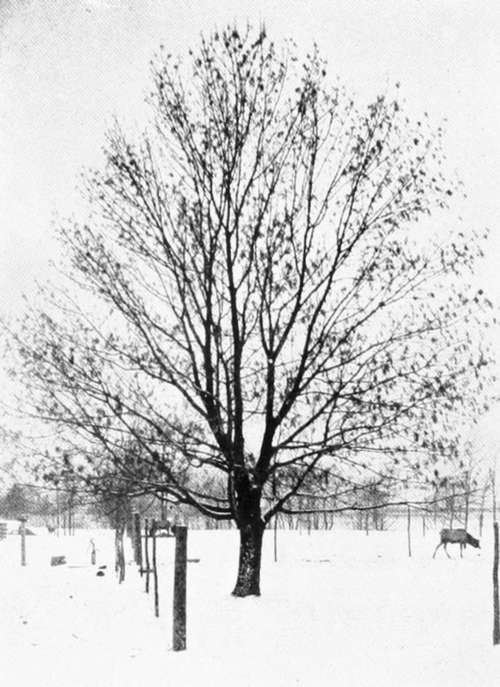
(179, 632)
(496, 606)
(146, 552)
(22, 532)
(409, 530)
(276, 538)
(155, 570)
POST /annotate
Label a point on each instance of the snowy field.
(339, 608)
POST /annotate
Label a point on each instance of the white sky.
(67, 66)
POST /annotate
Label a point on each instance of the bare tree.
(259, 297)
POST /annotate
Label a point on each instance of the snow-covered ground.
(338, 608)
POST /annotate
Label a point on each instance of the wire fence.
(63, 510)
(56, 510)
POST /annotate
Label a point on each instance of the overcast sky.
(67, 66)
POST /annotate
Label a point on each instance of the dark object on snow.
(100, 573)
(103, 567)
(458, 536)
(51, 529)
(58, 560)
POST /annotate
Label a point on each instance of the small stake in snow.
(496, 605)
(155, 571)
(179, 633)
(22, 532)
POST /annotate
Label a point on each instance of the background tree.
(253, 293)
(15, 504)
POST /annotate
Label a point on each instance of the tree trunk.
(248, 580)
(119, 552)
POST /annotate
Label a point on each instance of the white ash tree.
(273, 306)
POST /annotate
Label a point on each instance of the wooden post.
(146, 552)
(276, 538)
(496, 604)
(494, 496)
(137, 541)
(22, 532)
(409, 530)
(179, 630)
(155, 571)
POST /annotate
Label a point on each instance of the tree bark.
(137, 539)
(179, 612)
(119, 552)
(248, 580)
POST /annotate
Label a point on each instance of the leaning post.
(179, 629)
(146, 553)
(22, 532)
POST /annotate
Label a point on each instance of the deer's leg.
(437, 547)
(446, 550)
(461, 550)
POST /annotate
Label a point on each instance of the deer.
(458, 536)
(162, 528)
